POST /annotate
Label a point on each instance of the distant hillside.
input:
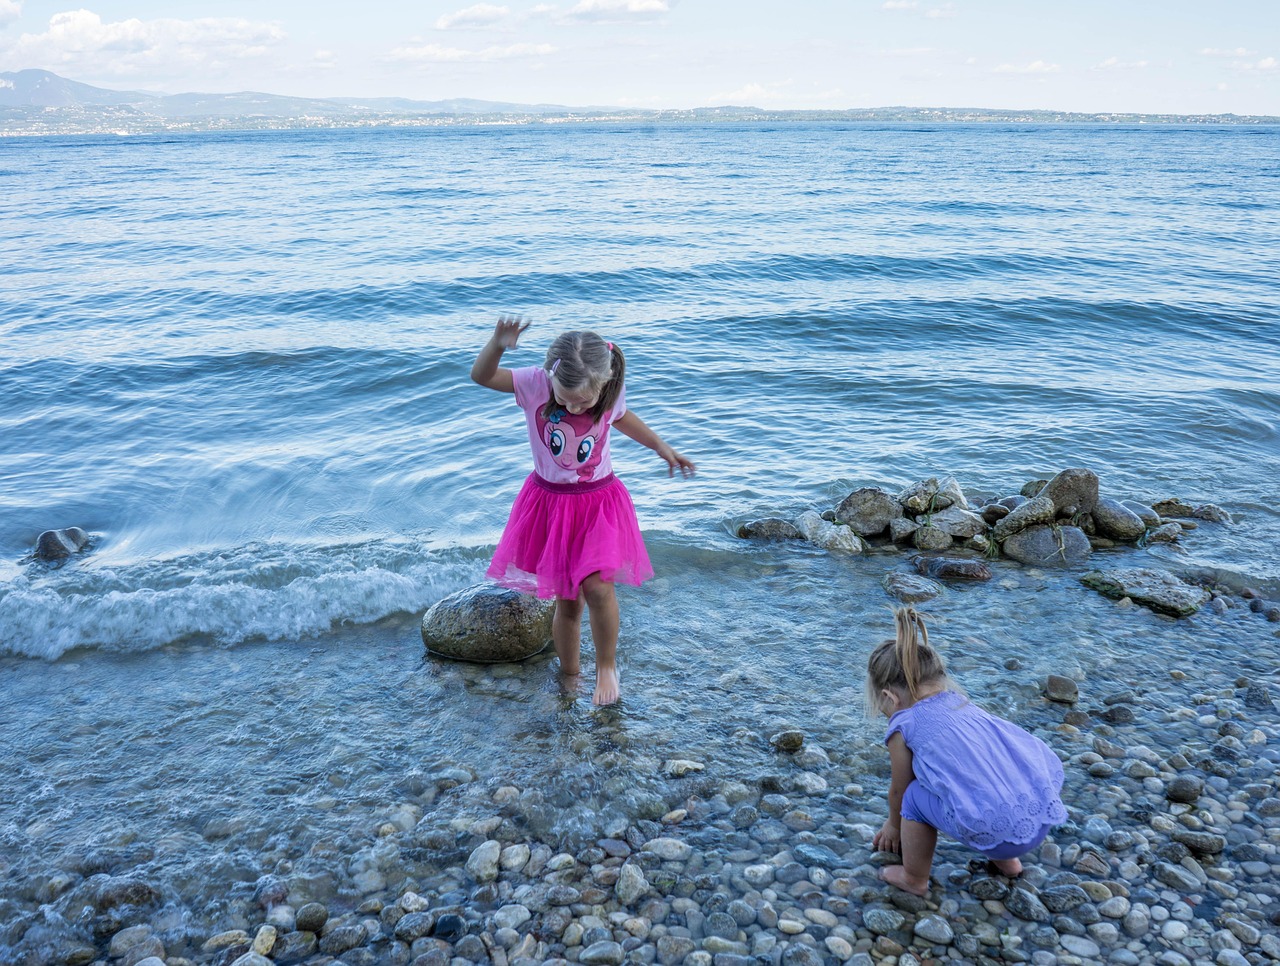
(42, 89)
(37, 102)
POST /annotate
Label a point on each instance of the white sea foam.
(268, 593)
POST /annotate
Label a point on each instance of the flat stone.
(951, 568)
(487, 624)
(933, 929)
(1157, 589)
(668, 849)
(911, 588)
(603, 953)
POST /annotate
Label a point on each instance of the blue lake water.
(240, 362)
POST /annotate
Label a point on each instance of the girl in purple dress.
(572, 533)
(955, 768)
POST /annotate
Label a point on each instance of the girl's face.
(575, 402)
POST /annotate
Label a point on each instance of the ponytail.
(906, 663)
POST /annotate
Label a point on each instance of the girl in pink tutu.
(572, 533)
(955, 768)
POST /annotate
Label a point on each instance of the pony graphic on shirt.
(573, 441)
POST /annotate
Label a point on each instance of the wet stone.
(342, 939)
(1185, 789)
(882, 921)
(1026, 906)
(993, 889)
(817, 855)
(604, 953)
(1063, 898)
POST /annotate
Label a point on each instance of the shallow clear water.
(240, 362)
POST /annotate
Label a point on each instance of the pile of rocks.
(1058, 521)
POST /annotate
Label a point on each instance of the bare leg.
(602, 608)
(566, 633)
(918, 842)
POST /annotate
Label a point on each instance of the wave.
(258, 591)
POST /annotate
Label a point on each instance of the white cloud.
(1115, 63)
(481, 15)
(5, 85)
(613, 11)
(10, 10)
(1219, 52)
(1035, 67)
(1266, 64)
(938, 13)
(80, 41)
(438, 54)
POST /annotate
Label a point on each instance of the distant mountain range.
(41, 102)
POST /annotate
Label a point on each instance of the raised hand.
(507, 332)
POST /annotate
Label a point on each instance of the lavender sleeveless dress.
(998, 785)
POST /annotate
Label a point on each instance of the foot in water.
(607, 688)
(896, 875)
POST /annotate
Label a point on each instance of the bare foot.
(1010, 867)
(569, 683)
(896, 875)
(607, 690)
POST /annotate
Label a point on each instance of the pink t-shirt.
(566, 448)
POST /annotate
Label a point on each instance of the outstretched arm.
(889, 838)
(629, 424)
(486, 371)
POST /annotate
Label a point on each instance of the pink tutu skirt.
(558, 534)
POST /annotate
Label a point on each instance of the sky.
(1144, 56)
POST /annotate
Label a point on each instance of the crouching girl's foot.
(1010, 867)
(896, 875)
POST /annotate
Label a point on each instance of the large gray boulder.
(1158, 589)
(1072, 491)
(487, 624)
(868, 511)
(1045, 546)
(1115, 521)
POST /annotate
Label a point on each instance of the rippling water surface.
(240, 362)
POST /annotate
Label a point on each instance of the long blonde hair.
(904, 663)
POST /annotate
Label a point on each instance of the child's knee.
(597, 591)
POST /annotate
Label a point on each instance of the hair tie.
(554, 366)
(610, 345)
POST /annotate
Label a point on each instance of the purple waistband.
(586, 487)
